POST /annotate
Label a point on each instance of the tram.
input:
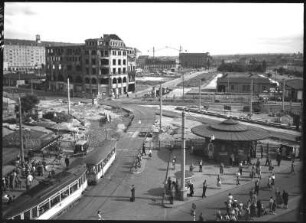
(99, 161)
(50, 197)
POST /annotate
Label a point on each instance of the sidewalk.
(210, 172)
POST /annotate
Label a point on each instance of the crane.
(166, 47)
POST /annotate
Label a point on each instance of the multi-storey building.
(100, 66)
(25, 55)
(157, 63)
(195, 60)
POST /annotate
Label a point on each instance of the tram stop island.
(229, 138)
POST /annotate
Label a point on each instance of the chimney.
(37, 38)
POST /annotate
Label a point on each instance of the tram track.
(96, 197)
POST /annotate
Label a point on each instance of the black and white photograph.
(152, 111)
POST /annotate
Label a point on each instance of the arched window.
(124, 80)
(114, 80)
(119, 80)
(93, 80)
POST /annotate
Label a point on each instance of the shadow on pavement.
(156, 191)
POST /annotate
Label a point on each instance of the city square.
(104, 129)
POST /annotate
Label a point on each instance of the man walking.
(204, 189)
(292, 167)
(221, 168)
(132, 199)
(257, 186)
(237, 178)
(200, 166)
(285, 198)
(144, 149)
(67, 161)
(240, 168)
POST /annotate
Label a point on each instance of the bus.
(50, 197)
(99, 161)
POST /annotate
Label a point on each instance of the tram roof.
(100, 153)
(42, 191)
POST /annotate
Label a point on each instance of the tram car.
(50, 197)
(99, 161)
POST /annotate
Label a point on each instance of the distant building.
(25, 55)
(241, 83)
(157, 63)
(98, 67)
(294, 89)
(194, 60)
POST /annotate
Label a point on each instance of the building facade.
(241, 83)
(157, 63)
(26, 55)
(195, 60)
(98, 67)
(21, 55)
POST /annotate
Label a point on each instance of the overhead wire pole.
(283, 96)
(251, 99)
(160, 104)
(200, 95)
(68, 95)
(20, 134)
(183, 191)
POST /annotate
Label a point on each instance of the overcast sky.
(218, 28)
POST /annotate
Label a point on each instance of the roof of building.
(34, 43)
(242, 78)
(230, 130)
(295, 84)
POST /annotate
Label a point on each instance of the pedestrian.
(218, 181)
(269, 182)
(261, 151)
(274, 206)
(132, 199)
(237, 178)
(201, 218)
(278, 158)
(193, 209)
(150, 153)
(285, 198)
(292, 167)
(144, 149)
(221, 168)
(256, 189)
(204, 189)
(99, 215)
(240, 168)
(191, 187)
(173, 162)
(171, 197)
(259, 211)
(232, 159)
(273, 179)
(200, 166)
(267, 160)
(169, 183)
(67, 161)
(279, 199)
(219, 216)
(191, 167)
(271, 167)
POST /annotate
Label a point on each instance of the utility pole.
(283, 98)
(153, 52)
(68, 95)
(183, 86)
(251, 99)
(183, 191)
(160, 105)
(20, 133)
(200, 95)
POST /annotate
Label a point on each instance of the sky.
(217, 28)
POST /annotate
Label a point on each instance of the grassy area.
(194, 82)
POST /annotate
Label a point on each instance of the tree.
(28, 102)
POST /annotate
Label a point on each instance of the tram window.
(65, 194)
(44, 207)
(26, 215)
(17, 217)
(34, 212)
(74, 187)
(80, 182)
(55, 200)
(99, 167)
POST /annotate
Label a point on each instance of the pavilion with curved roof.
(230, 137)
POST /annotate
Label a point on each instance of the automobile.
(145, 134)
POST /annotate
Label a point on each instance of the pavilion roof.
(230, 130)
